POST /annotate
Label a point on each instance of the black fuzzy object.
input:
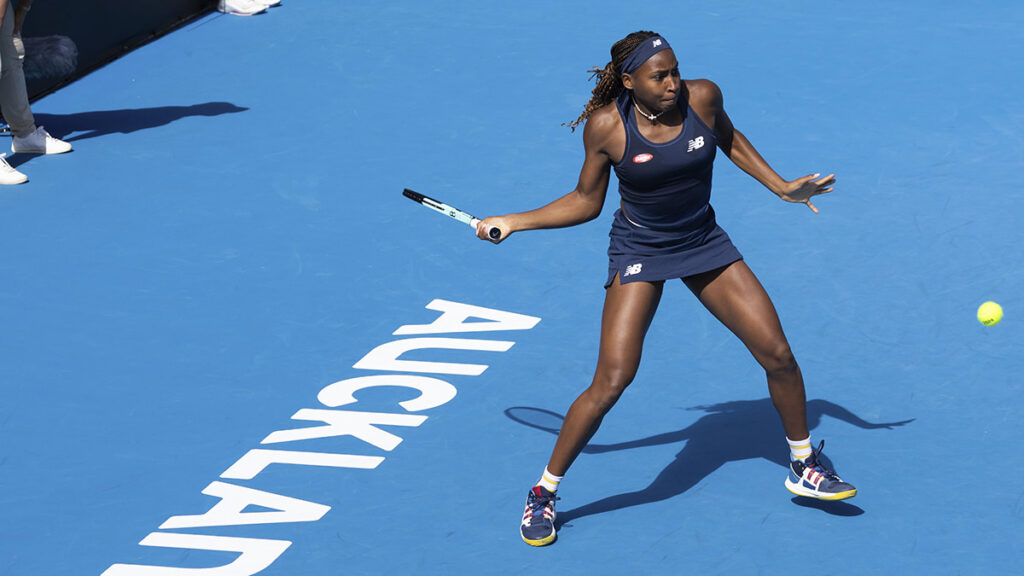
(49, 57)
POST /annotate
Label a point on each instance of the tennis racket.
(451, 211)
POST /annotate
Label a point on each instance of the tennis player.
(660, 133)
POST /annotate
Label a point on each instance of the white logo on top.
(633, 269)
(656, 43)
(694, 144)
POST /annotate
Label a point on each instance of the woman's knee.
(778, 358)
(609, 384)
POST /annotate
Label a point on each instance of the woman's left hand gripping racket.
(464, 217)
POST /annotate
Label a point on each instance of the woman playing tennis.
(660, 133)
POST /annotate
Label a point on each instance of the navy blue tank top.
(667, 186)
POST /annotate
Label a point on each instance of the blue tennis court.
(230, 346)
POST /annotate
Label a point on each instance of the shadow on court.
(731, 431)
(83, 125)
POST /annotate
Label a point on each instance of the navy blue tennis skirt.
(639, 254)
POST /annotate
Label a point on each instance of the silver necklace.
(651, 117)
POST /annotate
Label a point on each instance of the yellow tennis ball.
(990, 313)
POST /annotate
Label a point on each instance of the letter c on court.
(433, 392)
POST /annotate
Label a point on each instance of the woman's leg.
(628, 311)
(735, 296)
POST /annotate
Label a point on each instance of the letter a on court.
(454, 316)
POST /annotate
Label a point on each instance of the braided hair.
(609, 79)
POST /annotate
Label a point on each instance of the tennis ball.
(990, 313)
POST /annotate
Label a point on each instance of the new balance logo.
(694, 144)
(656, 43)
(633, 269)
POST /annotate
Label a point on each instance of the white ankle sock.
(799, 449)
(549, 481)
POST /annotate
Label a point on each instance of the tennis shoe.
(8, 175)
(813, 479)
(39, 142)
(240, 7)
(538, 527)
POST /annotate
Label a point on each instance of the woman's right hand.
(484, 227)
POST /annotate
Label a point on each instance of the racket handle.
(494, 232)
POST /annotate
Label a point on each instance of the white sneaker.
(240, 7)
(39, 142)
(268, 3)
(8, 175)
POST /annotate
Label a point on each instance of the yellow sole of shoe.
(830, 498)
(542, 542)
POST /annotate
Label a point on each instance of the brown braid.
(609, 80)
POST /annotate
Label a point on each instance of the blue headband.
(643, 52)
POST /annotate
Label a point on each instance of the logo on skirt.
(633, 269)
(641, 158)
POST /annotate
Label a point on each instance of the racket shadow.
(729, 432)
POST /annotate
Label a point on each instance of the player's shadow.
(84, 125)
(731, 431)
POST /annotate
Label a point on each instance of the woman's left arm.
(743, 154)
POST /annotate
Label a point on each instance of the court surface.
(228, 242)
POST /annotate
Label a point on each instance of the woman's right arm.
(581, 205)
